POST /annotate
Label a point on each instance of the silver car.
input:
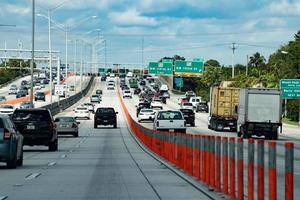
(66, 126)
(11, 143)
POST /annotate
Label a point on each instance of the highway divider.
(218, 162)
(57, 107)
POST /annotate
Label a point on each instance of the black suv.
(40, 96)
(202, 107)
(141, 106)
(37, 126)
(189, 116)
(105, 116)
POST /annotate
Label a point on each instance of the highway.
(290, 133)
(102, 163)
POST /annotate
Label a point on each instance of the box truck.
(223, 108)
(259, 113)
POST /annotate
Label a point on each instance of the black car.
(105, 116)
(189, 116)
(202, 107)
(137, 91)
(125, 87)
(103, 78)
(21, 93)
(37, 126)
(39, 96)
(163, 99)
(141, 106)
(142, 82)
(99, 92)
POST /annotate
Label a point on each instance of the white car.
(82, 112)
(111, 86)
(156, 103)
(7, 109)
(89, 106)
(169, 120)
(37, 86)
(187, 106)
(111, 82)
(13, 90)
(127, 94)
(146, 114)
(152, 84)
(195, 101)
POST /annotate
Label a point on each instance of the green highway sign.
(290, 88)
(153, 67)
(178, 82)
(189, 68)
(161, 68)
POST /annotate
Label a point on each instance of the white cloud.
(131, 18)
(15, 9)
(284, 7)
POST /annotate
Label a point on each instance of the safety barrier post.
(250, 169)
(272, 171)
(212, 162)
(232, 167)
(225, 164)
(184, 148)
(218, 163)
(260, 170)
(289, 171)
(180, 150)
(189, 161)
(196, 156)
(207, 160)
(240, 160)
(203, 155)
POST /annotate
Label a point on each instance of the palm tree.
(257, 60)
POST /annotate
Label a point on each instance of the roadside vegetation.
(13, 69)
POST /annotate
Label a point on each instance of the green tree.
(257, 60)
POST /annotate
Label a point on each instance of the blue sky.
(191, 28)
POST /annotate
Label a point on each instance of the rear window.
(188, 104)
(1, 124)
(146, 110)
(23, 115)
(106, 110)
(64, 119)
(81, 108)
(168, 115)
(186, 110)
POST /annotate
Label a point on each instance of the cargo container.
(259, 113)
(223, 108)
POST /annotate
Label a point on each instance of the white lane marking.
(63, 156)
(32, 176)
(51, 163)
(3, 197)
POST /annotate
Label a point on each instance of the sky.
(147, 30)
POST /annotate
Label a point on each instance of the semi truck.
(223, 108)
(259, 113)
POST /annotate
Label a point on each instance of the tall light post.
(32, 53)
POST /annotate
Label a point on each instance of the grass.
(288, 121)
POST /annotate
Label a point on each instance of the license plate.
(30, 127)
(230, 123)
(105, 120)
(171, 130)
(64, 126)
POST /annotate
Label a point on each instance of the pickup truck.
(170, 120)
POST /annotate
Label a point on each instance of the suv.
(105, 116)
(142, 105)
(37, 126)
(40, 96)
(202, 106)
(189, 116)
(99, 92)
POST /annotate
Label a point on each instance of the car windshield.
(146, 110)
(30, 115)
(81, 108)
(105, 110)
(168, 115)
(7, 106)
(65, 119)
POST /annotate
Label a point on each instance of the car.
(202, 107)
(137, 91)
(125, 87)
(142, 82)
(146, 114)
(142, 105)
(43, 86)
(26, 104)
(24, 88)
(2, 98)
(152, 84)
(182, 100)
(111, 82)
(105, 116)
(156, 103)
(37, 86)
(187, 105)
(7, 109)
(13, 90)
(24, 82)
(82, 112)
(189, 116)
(189, 94)
(13, 86)
(163, 99)
(166, 94)
(169, 120)
(40, 96)
(103, 78)
(95, 99)
(37, 127)
(11, 143)
(99, 92)
(21, 93)
(89, 106)
(127, 94)
(195, 101)
(67, 126)
(72, 88)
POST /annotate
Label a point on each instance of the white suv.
(156, 103)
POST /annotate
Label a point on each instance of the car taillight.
(50, 126)
(7, 134)
(74, 125)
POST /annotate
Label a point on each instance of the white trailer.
(259, 113)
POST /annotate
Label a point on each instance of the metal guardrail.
(57, 107)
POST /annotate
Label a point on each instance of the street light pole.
(81, 65)
(50, 54)
(66, 52)
(75, 62)
(32, 53)
(232, 61)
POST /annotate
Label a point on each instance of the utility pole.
(233, 53)
(81, 65)
(75, 62)
(105, 53)
(247, 65)
(32, 54)
(142, 55)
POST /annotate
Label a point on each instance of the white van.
(164, 88)
(195, 101)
